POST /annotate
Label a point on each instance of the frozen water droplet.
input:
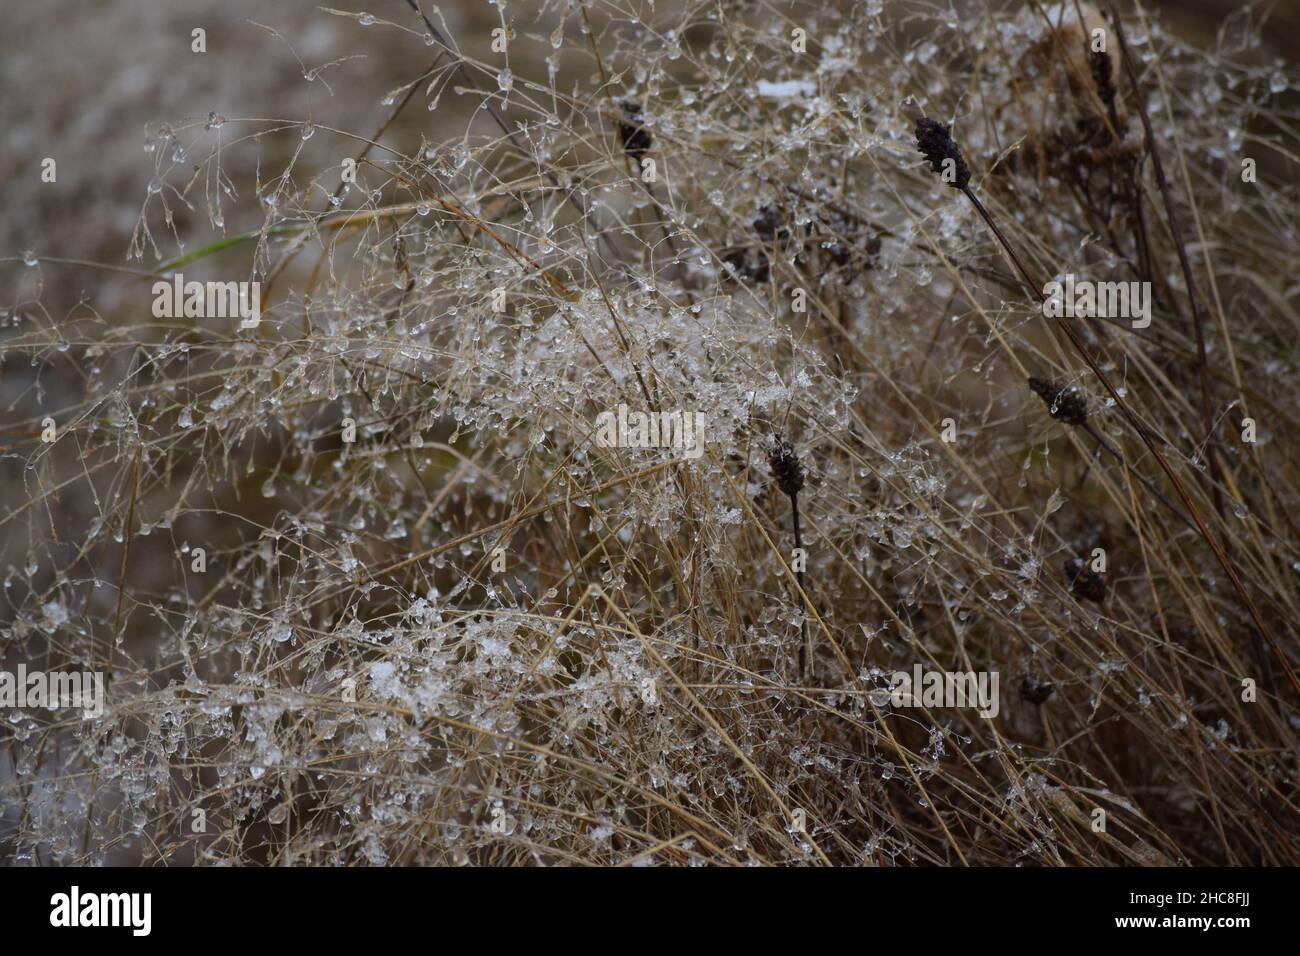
(505, 81)
(1277, 83)
(308, 130)
(365, 19)
(215, 120)
(29, 258)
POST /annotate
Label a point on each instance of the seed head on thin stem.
(787, 472)
(1066, 404)
(1100, 63)
(632, 134)
(934, 140)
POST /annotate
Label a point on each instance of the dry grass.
(633, 687)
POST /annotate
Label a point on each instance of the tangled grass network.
(543, 434)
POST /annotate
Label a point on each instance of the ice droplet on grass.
(56, 615)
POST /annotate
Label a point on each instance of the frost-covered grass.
(438, 621)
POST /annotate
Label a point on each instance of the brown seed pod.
(1035, 692)
(787, 472)
(634, 137)
(1088, 585)
(934, 140)
(1064, 403)
(1103, 74)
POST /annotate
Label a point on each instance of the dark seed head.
(787, 472)
(1088, 585)
(634, 137)
(1035, 692)
(1065, 404)
(1099, 63)
(934, 140)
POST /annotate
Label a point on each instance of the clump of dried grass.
(566, 653)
